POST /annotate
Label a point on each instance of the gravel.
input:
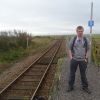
(93, 76)
(11, 73)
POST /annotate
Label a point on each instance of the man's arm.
(69, 49)
(88, 49)
(70, 55)
(87, 56)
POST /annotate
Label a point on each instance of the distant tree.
(14, 39)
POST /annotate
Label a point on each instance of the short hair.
(79, 28)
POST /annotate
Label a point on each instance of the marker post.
(91, 24)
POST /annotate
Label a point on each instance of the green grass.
(96, 49)
(12, 55)
(38, 43)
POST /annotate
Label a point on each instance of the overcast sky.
(48, 16)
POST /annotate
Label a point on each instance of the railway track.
(28, 83)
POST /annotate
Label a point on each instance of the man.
(78, 54)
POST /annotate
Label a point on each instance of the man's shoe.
(85, 89)
(70, 89)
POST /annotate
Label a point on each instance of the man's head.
(80, 31)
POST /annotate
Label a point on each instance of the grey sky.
(47, 16)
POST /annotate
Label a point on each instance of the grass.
(96, 49)
(38, 43)
(12, 55)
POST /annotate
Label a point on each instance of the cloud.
(47, 16)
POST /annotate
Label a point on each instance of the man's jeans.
(73, 67)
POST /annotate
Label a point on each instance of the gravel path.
(93, 75)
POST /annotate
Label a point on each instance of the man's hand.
(86, 60)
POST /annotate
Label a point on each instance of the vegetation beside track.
(96, 49)
(13, 45)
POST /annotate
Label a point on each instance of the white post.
(91, 18)
(27, 41)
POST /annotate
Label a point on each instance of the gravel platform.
(93, 76)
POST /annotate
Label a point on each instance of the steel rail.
(45, 72)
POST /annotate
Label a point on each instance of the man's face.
(79, 32)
